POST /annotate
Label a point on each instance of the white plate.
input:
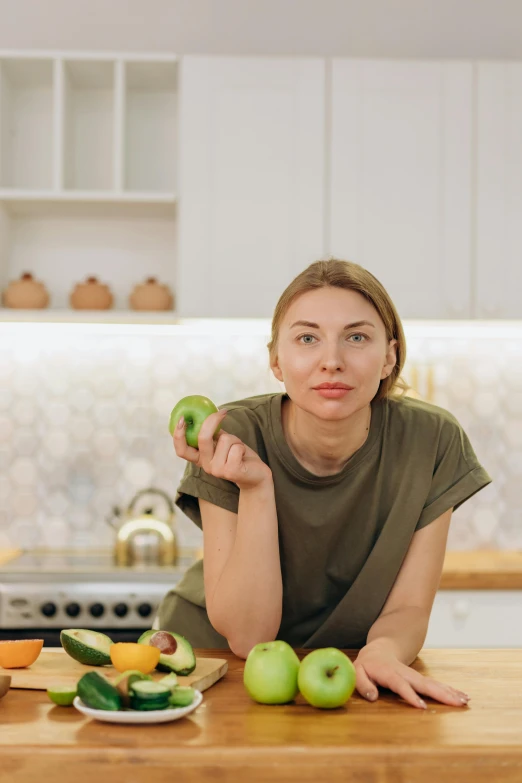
(137, 716)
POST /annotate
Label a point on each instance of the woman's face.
(333, 335)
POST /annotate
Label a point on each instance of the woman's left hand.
(378, 666)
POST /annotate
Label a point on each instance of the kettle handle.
(152, 491)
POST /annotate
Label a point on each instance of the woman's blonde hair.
(351, 276)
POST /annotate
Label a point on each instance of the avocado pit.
(165, 642)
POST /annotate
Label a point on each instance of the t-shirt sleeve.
(457, 474)
(196, 483)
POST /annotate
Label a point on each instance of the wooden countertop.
(8, 554)
(231, 738)
(479, 569)
(482, 569)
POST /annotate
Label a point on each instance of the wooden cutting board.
(57, 668)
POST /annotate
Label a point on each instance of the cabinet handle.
(456, 311)
(491, 310)
(461, 609)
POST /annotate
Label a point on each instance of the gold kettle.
(145, 538)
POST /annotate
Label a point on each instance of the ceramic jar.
(151, 295)
(91, 295)
(26, 293)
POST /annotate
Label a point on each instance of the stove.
(44, 591)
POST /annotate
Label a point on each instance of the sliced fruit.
(88, 647)
(177, 654)
(170, 679)
(149, 695)
(63, 695)
(125, 680)
(5, 684)
(19, 653)
(182, 696)
(97, 692)
(130, 655)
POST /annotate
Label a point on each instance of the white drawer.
(476, 618)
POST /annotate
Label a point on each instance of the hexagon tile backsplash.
(83, 420)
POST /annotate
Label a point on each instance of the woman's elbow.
(238, 649)
(242, 647)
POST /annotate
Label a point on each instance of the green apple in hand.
(270, 673)
(195, 408)
(326, 678)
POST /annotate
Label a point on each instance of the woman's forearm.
(247, 600)
(402, 632)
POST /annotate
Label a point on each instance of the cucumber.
(96, 692)
(149, 695)
(181, 696)
(125, 680)
(170, 679)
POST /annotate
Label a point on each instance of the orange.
(131, 655)
(19, 653)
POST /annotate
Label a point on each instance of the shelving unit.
(26, 123)
(150, 114)
(88, 169)
(86, 124)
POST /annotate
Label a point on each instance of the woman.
(325, 510)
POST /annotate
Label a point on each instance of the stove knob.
(48, 609)
(144, 610)
(73, 609)
(97, 610)
(120, 610)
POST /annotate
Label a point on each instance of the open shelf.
(26, 123)
(88, 125)
(66, 315)
(88, 203)
(92, 122)
(88, 170)
(150, 123)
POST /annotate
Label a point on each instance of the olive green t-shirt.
(342, 537)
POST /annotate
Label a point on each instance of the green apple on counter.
(195, 408)
(270, 673)
(326, 678)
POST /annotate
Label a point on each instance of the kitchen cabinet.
(476, 619)
(499, 190)
(225, 176)
(88, 169)
(479, 601)
(252, 181)
(400, 172)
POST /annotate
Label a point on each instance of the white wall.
(358, 28)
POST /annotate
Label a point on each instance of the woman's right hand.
(225, 457)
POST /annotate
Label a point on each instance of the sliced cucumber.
(182, 696)
(149, 695)
(125, 680)
(149, 688)
(170, 679)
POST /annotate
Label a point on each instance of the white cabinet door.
(400, 174)
(476, 618)
(251, 181)
(499, 190)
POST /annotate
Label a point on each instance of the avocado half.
(88, 647)
(181, 661)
